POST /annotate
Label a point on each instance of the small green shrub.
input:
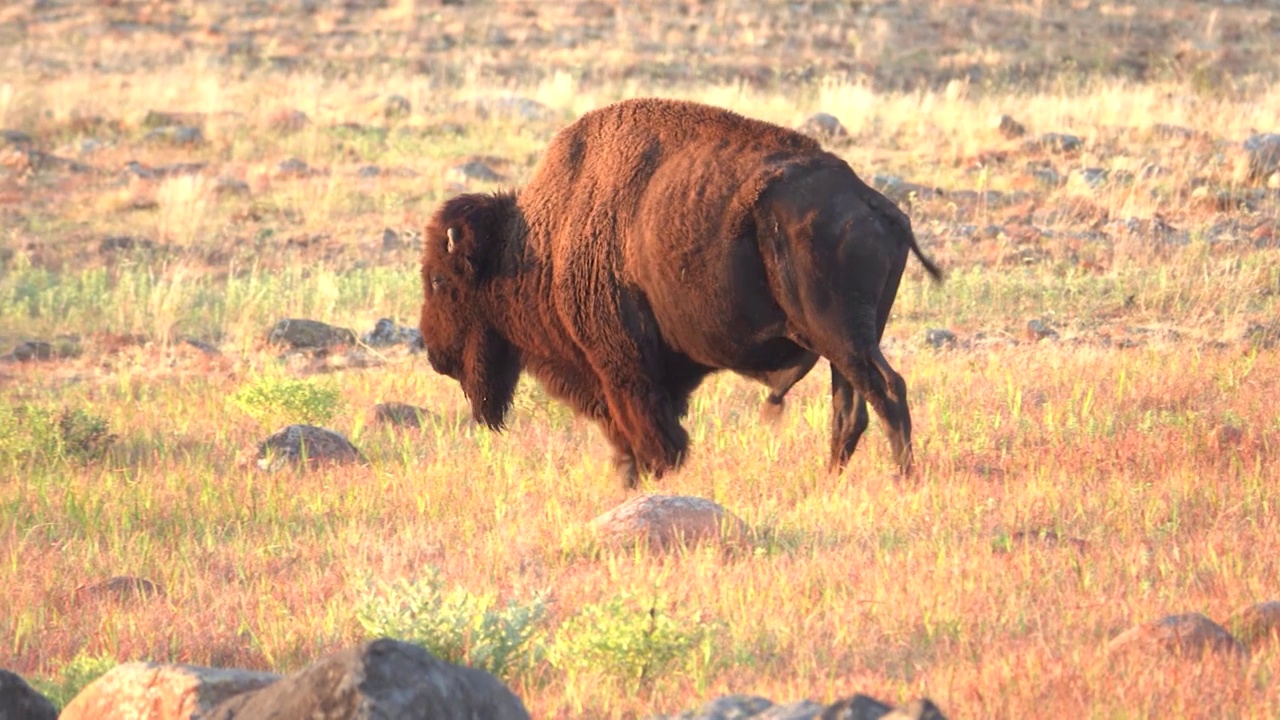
(277, 401)
(456, 625)
(73, 677)
(30, 432)
(629, 638)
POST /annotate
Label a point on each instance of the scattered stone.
(317, 445)
(20, 701)
(294, 168)
(856, 707)
(288, 120)
(385, 332)
(160, 118)
(1009, 127)
(664, 521)
(509, 107)
(939, 338)
(17, 138)
(1048, 537)
(302, 334)
(1056, 143)
(64, 346)
(1256, 624)
(1037, 330)
(120, 588)
(396, 106)
(231, 186)
(1226, 437)
(89, 146)
(475, 169)
(1094, 177)
(897, 189)
(176, 135)
(1263, 336)
(369, 171)
(201, 345)
(1045, 173)
(1262, 156)
(380, 679)
(154, 690)
(124, 243)
(1165, 131)
(133, 167)
(399, 414)
(1190, 635)
(391, 240)
(823, 126)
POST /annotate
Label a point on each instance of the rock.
(19, 701)
(1045, 173)
(33, 350)
(161, 118)
(164, 692)
(16, 138)
(665, 521)
(201, 345)
(897, 189)
(231, 186)
(1190, 635)
(176, 135)
(1009, 127)
(117, 243)
(399, 414)
(1093, 177)
(390, 240)
(475, 169)
(119, 588)
(302, 334)
(288, 120)
(1056, 143)
(396, 106)
(940, 337)
(1037, 330)
(729, 707)
(856, 707)
(1226, 437)
(823, 126)
(369, 171)
(294, 168)
(1262, 156)
(510, 107)
(1255, 625)
(319, 446)
(385, 332)
(380, 679)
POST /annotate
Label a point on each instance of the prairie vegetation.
(1095, 437)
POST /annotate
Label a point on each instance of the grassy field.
(1070, 486)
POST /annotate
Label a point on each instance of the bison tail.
(934, 271)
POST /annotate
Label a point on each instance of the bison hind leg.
(872, 376)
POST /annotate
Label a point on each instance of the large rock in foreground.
(296, 444)
(1189, 635)
(19, 701)
(665, 521)
(160, 692)
(380, 679)
(856, 707)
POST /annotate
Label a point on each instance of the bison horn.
(452, 233)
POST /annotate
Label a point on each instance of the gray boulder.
(19, 701)
(385, 679)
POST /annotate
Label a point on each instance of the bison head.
(461, 246)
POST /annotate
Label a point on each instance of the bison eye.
(436, 282)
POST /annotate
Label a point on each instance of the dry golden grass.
(1144, 436)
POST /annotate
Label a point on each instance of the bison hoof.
(771, 410)
(628, 474)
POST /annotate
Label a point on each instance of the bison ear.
(452, 245)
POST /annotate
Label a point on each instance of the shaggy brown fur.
(659, 241)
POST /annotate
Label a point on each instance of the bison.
(659, 241)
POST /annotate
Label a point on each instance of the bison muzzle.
(659, 241)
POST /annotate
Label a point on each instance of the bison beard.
(659, 241)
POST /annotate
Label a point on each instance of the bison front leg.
(648, 420)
